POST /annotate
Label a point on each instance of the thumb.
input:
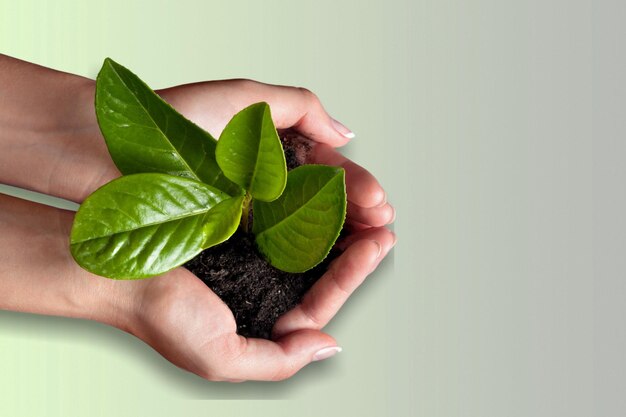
(265, 360)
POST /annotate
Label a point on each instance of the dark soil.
(256, 292)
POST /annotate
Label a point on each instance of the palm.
(188, 324)
(185, 321)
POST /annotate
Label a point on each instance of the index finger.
(362, 187)
(346, 273)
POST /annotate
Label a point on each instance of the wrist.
(49, 135)
(112, 302)
(38, 274)
(39, 100)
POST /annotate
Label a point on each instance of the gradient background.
(498, 129)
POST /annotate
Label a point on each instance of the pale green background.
(497, 127)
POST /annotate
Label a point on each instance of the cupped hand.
(176, 313)
(211, 104)
(189, 325)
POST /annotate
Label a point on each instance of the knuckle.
(338, 269)
(308, 308)
(309, 95)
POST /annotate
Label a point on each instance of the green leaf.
(296, 231)
(222, 221)
(145, 134)
(251, 155)
(146, 224)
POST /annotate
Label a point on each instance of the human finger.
(361, 186)
(302, 110)
(374, 216)
(243, 358)
(292, 107)
(366, 249)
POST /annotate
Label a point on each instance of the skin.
(50, 142)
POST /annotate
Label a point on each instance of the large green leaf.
(296, 231)
(145, 224)
(145, 134)
(251, 155)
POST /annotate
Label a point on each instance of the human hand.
(212, 104)
(296, 336)
(181, 318)
(70, 161)
(179, 307)
(176, 313)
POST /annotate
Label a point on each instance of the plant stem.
(245, 213)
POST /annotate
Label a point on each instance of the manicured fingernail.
(393, 214)
(343, 130)
(380, 248)
(326, 353)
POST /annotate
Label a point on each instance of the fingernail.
(343, 130)
(380, 248)
(326, 353)
(395, 239)
(383, 201)
(393, 215)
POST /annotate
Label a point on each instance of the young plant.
(182, 191)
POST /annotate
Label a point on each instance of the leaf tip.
(108, 61)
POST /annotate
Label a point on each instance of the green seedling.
(182, 191)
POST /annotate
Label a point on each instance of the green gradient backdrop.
(478, 118)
